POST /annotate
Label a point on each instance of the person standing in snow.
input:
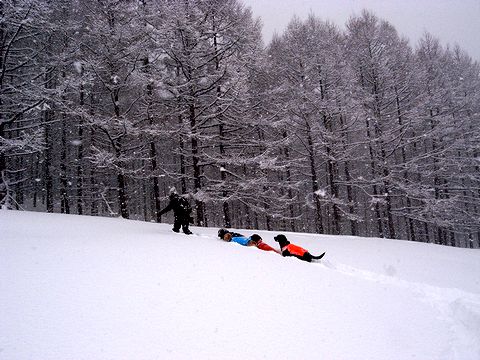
(181, 212)
(289, 249)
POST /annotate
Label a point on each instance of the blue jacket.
(242, 240)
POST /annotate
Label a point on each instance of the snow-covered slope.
(78, 287)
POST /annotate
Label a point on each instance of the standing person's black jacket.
(181, 212)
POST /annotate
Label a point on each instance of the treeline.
(106, 105)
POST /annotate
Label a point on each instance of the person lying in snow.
(258, 242)
(254, 240)
(289, 249)
(229, 236)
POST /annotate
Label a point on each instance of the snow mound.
(78, 287)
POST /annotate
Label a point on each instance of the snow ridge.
(459, 309)
(80, 287)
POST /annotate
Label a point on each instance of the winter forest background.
(105, 105)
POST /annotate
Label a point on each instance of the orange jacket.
(294, 250)
(262, 246)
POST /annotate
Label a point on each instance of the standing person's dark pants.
(183, 221)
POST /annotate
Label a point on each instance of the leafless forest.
(106, 105)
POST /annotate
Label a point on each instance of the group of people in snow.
(182, 219)
(286, 248)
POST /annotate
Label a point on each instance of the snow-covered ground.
(78, 287)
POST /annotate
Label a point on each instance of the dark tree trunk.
(289, 180)
(378, 215)
(64, 201)
(409, 220)
(332, 172)
(48, 166)
(93, 182)
(122, 196)
(80, 155)
(351, 200)
(156, 186)
(49, 114)
(3, 167)
(153, 149)
(221, 134)
(197, 181)
(315, 186)
(223, 175)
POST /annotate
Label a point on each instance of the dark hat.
(280, 237)
(255, 237)
(222, 232)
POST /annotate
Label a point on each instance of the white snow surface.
(79, 287)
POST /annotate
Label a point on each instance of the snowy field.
(78, 287)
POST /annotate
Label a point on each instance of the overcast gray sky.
(452, 21)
